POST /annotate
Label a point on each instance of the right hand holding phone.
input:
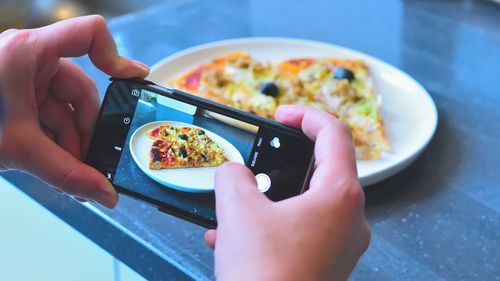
(318, 235)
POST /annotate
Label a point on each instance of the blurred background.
(34, 13)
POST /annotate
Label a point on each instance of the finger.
(72, 85)
(87, 35)
(210, 238)
(333, 139)
(58, 117)
(333, 150)
(235, 187)
(57, 167)
(310, 120)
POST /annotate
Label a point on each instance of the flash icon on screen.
(275, 142)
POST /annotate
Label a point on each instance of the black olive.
(343, 73)
(183, 137)
(270, 89)
(155, 153)
(201, 132)
(183, 153)
(203, 156)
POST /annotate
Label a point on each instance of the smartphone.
(280, 157)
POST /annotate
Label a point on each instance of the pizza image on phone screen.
(183, 147)
(179, 154)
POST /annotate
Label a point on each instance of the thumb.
(58, 168)
(235, 190)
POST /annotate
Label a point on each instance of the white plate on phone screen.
(184, 179)
(409, 113)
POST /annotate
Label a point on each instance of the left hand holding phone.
(51, 104)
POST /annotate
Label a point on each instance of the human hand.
(51, 105)
(318, 235)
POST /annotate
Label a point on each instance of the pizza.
(342, 87)
(183, 147)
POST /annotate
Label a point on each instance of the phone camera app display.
(173, 149)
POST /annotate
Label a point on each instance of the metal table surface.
(438, 219)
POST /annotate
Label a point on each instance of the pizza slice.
(342, 87)
(184, 147)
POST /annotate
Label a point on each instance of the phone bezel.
(207, 104)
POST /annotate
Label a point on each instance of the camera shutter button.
(263, 182)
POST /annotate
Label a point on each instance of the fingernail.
(126, 63)
(108, 197)
(142, 65)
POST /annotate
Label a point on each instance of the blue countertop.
(437, 220)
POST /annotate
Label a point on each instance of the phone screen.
(279, 157)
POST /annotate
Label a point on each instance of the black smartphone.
(280, 157)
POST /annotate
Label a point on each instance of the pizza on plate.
(342, 87)
(183, 147)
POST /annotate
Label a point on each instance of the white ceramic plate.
(189, 179)
(409, 113)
